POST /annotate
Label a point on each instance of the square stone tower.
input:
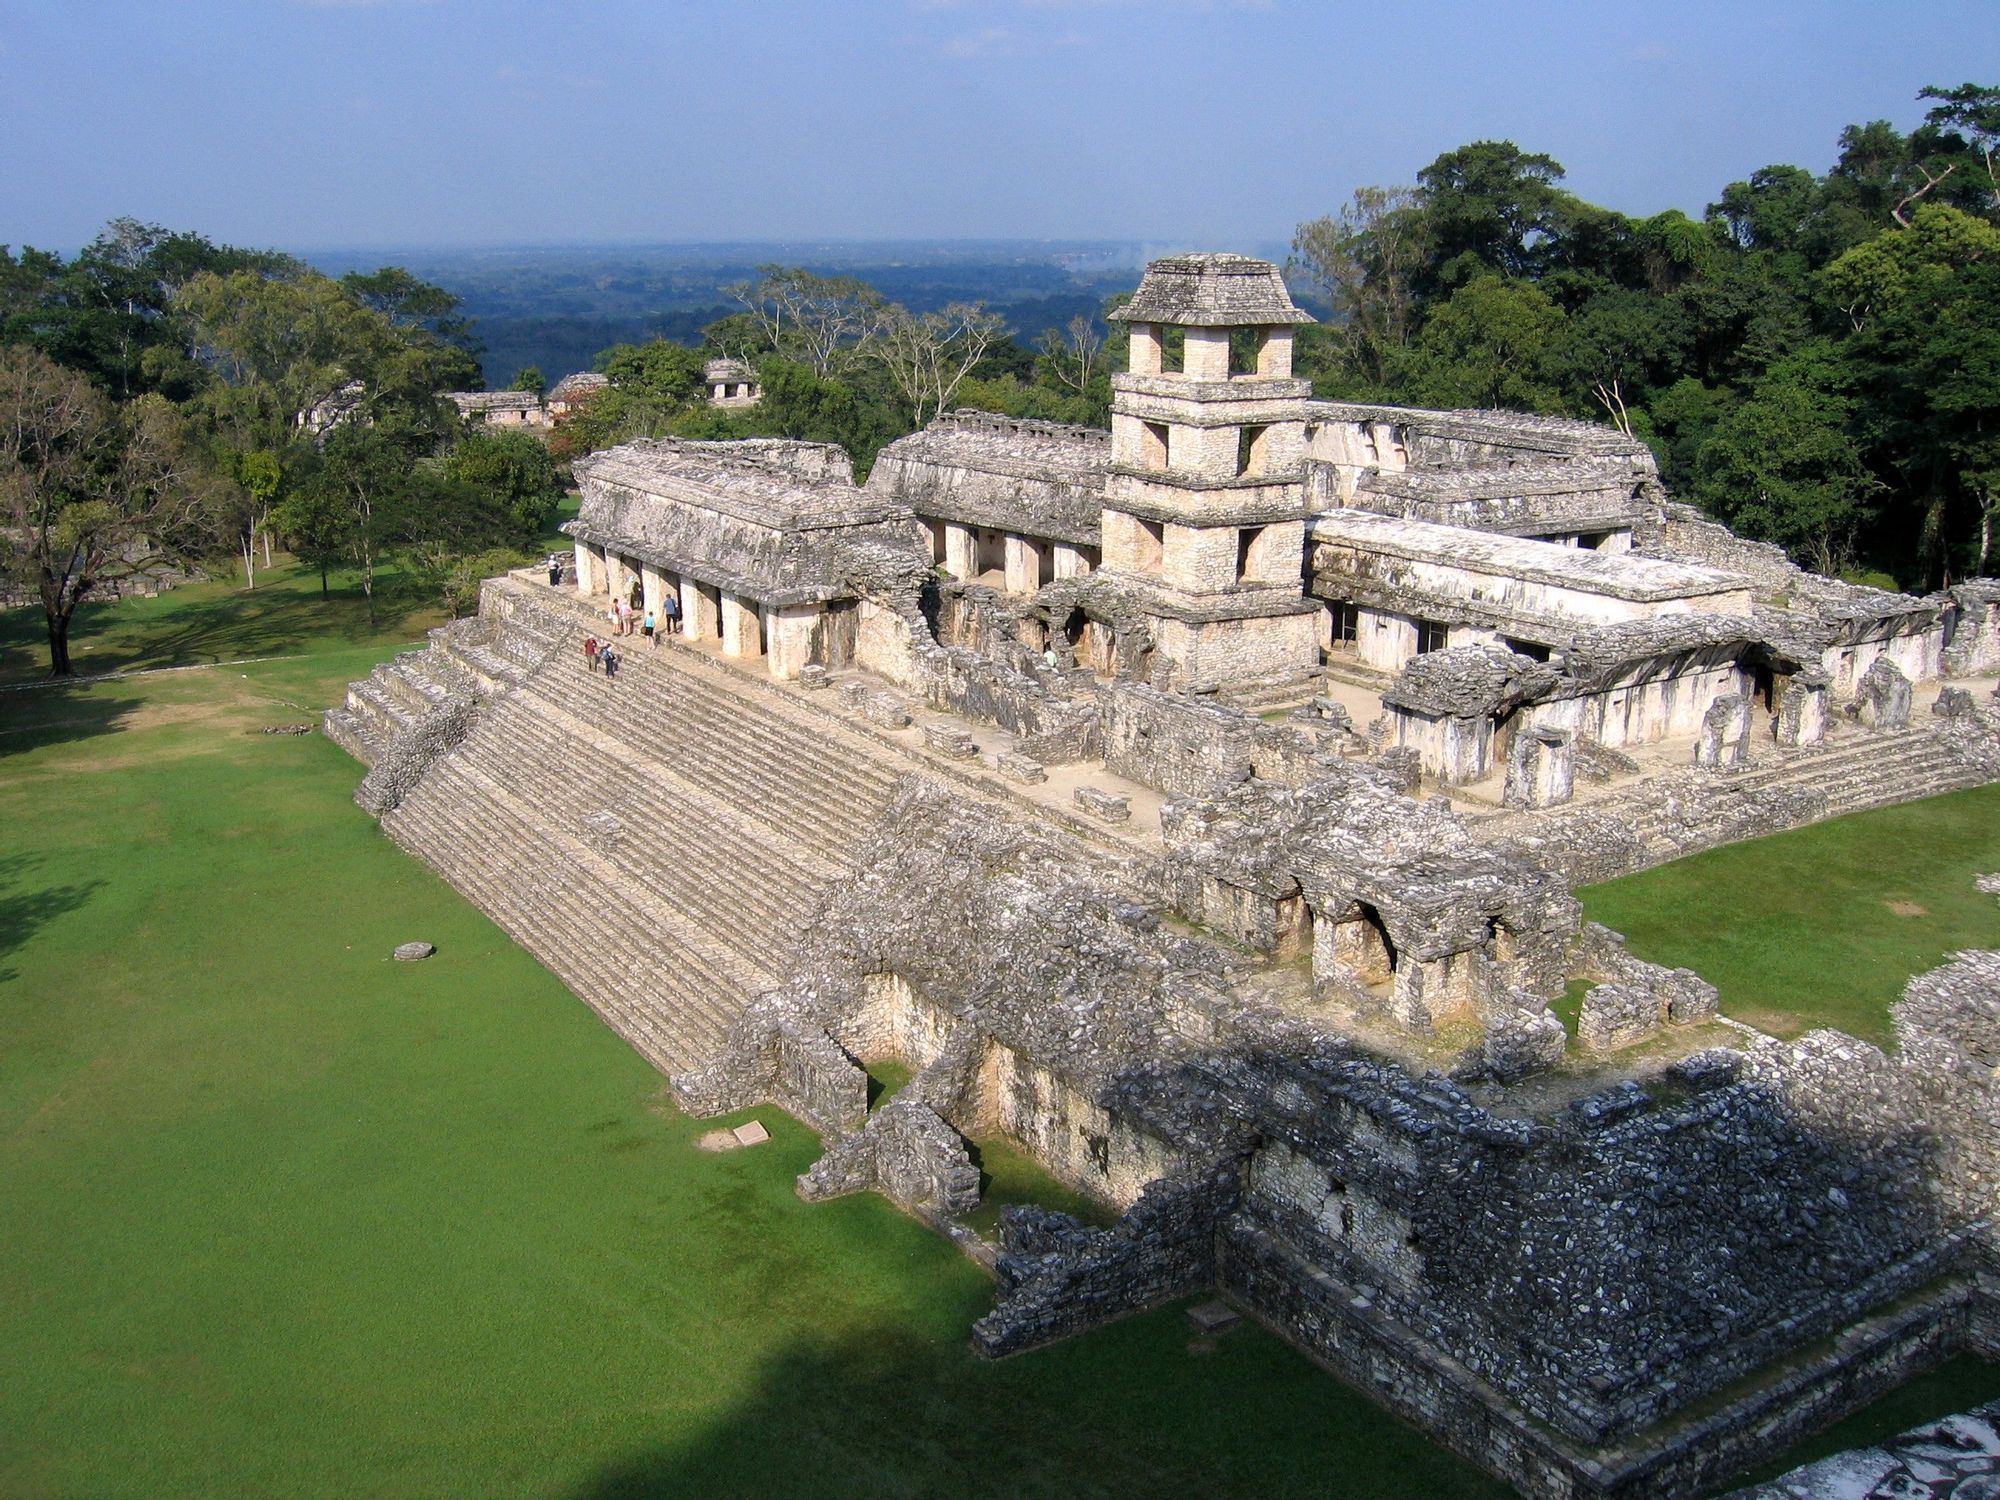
(1205, 506)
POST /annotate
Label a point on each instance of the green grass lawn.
(1824, 925)
(282, 1217)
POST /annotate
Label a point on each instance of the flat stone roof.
(1553, 435)
(582, 383)
(782, 485)
(1212, 291)
(980, 469)
(471, 401)
(1616, 574)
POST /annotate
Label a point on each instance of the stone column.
(587, 568)
(1070, 561)
(961, 551)
(1024, 566)
(1801, 715)
(700, 613)
(742, 629)
(788, 635)
(654, 583)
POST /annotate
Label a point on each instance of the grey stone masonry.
(1957, 1458)
(1021, 768)
(1211, 291)
(1297, 1038)
(1883, 696)
(1110, 807)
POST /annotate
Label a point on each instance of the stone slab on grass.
(411, 952)
(1213, 1317)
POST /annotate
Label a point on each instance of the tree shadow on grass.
(24, 911)
(32, 718)
(178, 629)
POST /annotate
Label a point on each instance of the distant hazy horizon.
(451, 124)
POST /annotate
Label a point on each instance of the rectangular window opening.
(1431, 636)
(1250, 450)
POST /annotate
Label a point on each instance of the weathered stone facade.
(1256, 945)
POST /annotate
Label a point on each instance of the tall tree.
(89, 492)
(928, 355)
(821, 321)
(1364, 259)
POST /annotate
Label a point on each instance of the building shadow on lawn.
(32, 718)
(1131, 1409)
(24, 911)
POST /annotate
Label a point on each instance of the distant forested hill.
(556, 307)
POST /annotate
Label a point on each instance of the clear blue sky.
(321, 123)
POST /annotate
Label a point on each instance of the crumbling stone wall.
(431, 736)
(1174, 744)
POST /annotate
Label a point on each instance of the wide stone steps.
(807, 782)
(1855, 773)
(670, 988)
(637, 884)
(671, 834)
(565, 948)
(659, 841)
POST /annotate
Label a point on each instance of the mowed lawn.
(282, 1217)
(1821, 926)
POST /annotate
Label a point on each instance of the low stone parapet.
(949, 740)
(1108, 807)
(1022, 768)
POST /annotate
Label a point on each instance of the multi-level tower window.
(1155, 448)
(1246, 347)
(1150, 539)
(1250, 449)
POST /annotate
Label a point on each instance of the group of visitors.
(598, 654)
(627, 617)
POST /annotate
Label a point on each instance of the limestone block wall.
(1975, 644)
(1669, 704)
(1919, 656)
(1384, 640)
(1176, 745)
(1454, 750)
(1108, 1157)
(1206, 653)
(894, 1021)
(794, 639)
(1199, 559)
(1504, 1256)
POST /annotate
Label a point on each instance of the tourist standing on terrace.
(647, 630)
(670, 614)
(555, 571)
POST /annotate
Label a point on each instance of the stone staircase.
(659, 840)
(1864, 770)
(474, 652)
(1680, 812)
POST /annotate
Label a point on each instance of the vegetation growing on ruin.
(1820, 926)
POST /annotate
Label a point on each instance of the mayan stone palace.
(1198, 805)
